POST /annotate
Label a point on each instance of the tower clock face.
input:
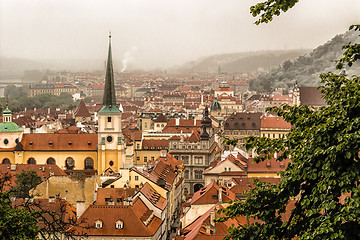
(109, 139)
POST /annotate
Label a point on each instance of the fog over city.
(151, 34)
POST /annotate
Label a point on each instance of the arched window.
(69, 163)
(89, 163)
(98, 224)
(31, 161)
(6, 161)
(50, 160)
(119, 224)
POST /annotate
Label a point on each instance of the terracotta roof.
(105, 194)
(42, 170)
(209, 194)
(134, 135)
(82, 110)
(245, 183)
(267, 166)
(274, 123)
(154, 197)
(66, 211)
(311, 96)
(161, 118)
(239, 163)
(224, 89)
(154, 144)
(197, 230)
(133, 218)
(59, 142)
(71, 129)
(194, 137)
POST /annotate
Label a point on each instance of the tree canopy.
(322, 179)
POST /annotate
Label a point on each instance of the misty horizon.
(159, 34)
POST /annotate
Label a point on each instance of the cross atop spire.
(109, 99)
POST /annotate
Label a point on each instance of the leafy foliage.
(352, 51)
(15, 223)
(268, 9)
(324, 148)
(322, 179)
(18, 100)
(25, 181)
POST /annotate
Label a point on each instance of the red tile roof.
(82, 110)
(105, 194)
(59, 142)
(197, 230)
(274, 123)
(133, 218)
(267, 166)
(209, 194)
(43, 170)
(155, 144)
(154, 197)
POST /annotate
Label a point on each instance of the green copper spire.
(109, 100)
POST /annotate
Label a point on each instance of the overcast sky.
(161, 33)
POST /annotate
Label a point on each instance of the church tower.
(111, 145)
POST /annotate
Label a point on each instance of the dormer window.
(98, 224)
(119, 224)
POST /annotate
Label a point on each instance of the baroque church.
(104, 151)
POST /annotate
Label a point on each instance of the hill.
(245, 62)
(305, 69)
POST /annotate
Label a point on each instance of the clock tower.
(111, 144)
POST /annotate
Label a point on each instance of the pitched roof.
(149, 144)
(267, 166)
(209, 194)
(134, 218)
(59, 142)
(42, 170)
(161, 118)
(245, 121)
(154, 197)
(274, 123)
(197, 229)
(105, 194)
(245, 183)
(82, 110)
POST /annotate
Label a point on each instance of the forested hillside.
(305, 69)
(245, 62)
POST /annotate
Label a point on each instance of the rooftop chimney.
(220, 194)
(212, 218)
(80, 208)
(13, 167)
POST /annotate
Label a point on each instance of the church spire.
(109, 100)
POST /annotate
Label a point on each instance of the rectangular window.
(137, 158)
(109, 119)
(152, 158)
(185, 159)
(145, 159)
(136, 178)
(198, 160)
